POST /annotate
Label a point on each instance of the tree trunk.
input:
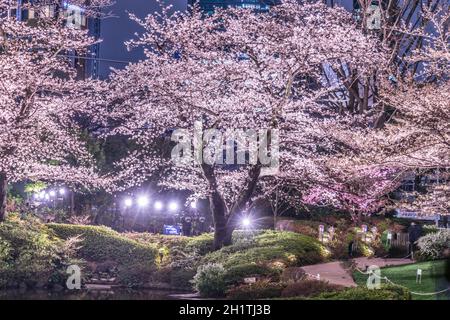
(226, 219)
(220, 222)
(365, 104)
(274, 221)
(217, 206)
(240, 205)
(356, 217)
(72, 203)
(3, 195)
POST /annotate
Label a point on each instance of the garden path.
(336, 273)
(333, 272)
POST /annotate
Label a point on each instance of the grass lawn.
(432, 278)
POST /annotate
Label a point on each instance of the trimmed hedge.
(258, 290)
(309, 288)
(103, 244)
(275, 247)
(201, 244)
(262, 254)
(362, 293)
(236, 274)
(274, 290)
(31, 256)
(209, 280)
(158, 240)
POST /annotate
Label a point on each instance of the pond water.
(111, 294)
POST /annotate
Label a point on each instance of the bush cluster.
(263, 255)
(308, 288)
(259, 290)
(433, 246)
(271, 247)
(101, 243)
(31, 256)
(362, 293)
(209, 280)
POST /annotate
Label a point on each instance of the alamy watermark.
(232, 147)
(74, 280)
(374, 279)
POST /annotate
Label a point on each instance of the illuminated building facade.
(86, 63)
(208, 6)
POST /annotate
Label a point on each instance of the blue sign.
(171, 230)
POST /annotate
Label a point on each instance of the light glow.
(128, 202)
(158, 205)
(173, 206)
(143, 201)
(246, 222)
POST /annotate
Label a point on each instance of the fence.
(400, 240)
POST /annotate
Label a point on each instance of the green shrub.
(362, 293)
(31, 255)
(257, 290)
(135, 275)
(305, 227)
(308, 288)
(236, 274)
(209, 280)
(245, 236)
(271, 247)
(429, 229)
(182, 278)
(201, 244)
(158, 240)
(102, 243)
(434, 245)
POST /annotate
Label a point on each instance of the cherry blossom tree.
(414, 133)
(356, 190)
(238, 70)
(280, 194)
(402, 27)
(40, 97)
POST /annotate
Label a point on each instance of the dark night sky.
(114, 31)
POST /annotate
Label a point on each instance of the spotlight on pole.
(143, 201)
(173, 206)
(158, 205)
(128, 202)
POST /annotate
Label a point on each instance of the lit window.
(75, 17)
(48, 11)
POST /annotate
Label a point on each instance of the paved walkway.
(335, 273)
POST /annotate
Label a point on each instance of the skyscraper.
(208, 6)
(86, 63)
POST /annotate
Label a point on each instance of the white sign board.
(414, 215)
(250, 280)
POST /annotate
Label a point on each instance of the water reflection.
(111, 294)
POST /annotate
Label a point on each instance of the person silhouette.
(447, 265)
